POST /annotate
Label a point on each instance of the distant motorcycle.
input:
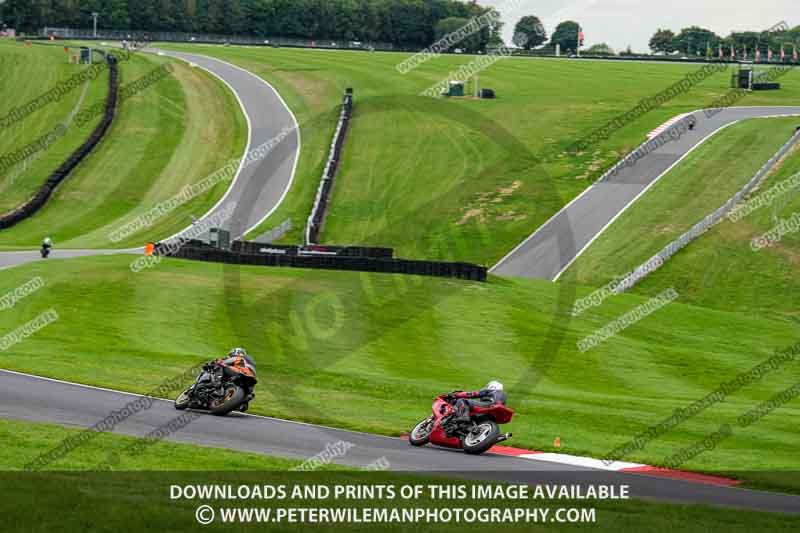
(476, 436)
(220, 388)
(45, 251)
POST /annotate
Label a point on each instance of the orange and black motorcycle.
(223, 386)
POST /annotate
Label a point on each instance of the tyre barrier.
(199, 251)
(249, 247)
(766, 86)
(44, 193)
(318, 212)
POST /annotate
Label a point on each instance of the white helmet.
(494, 385)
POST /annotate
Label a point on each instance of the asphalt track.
(258, 188)
(12, 259)
(542, 255)
(36, 399)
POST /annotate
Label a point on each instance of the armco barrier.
(199, 251)
(320, 208)
(655, 262)
(38, 201)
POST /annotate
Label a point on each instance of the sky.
(620, 23)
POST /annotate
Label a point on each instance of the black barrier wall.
(248, 247)
(200, 251)
(320, 209)
(33, 205)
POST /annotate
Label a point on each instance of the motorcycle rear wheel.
(234, 397)
(483, 438)
(421, 434)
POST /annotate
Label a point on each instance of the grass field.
(171, 134)
(718, 270)
(122, 496)
(433, 177)
(345, 349)
(23, 442)
(27, 73)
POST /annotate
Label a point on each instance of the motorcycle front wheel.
(421, 434)
(183, 401)
(234, 397)
(481, 438)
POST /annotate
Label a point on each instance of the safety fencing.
(320, 208)
(38, 201)
(208, 38)
(655, 262)
(348, 258)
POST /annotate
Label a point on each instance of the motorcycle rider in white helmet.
(491, 394)
(47, 245)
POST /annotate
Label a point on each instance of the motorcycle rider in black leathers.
(240, 361)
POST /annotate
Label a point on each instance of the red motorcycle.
(476, 436)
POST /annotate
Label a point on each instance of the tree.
(744, 39)
(566, 35)
(406, 23)
(601, 49)
(529, 33)
(663, 41)
(211, 16)
(115, 15)
(492, 35)
(695, 40)
(143, 14)
(234, 17)
(471, 43)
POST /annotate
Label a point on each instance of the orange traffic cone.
(149, 248)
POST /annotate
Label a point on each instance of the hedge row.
(38, 201)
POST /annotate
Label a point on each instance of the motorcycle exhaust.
(504, 436)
